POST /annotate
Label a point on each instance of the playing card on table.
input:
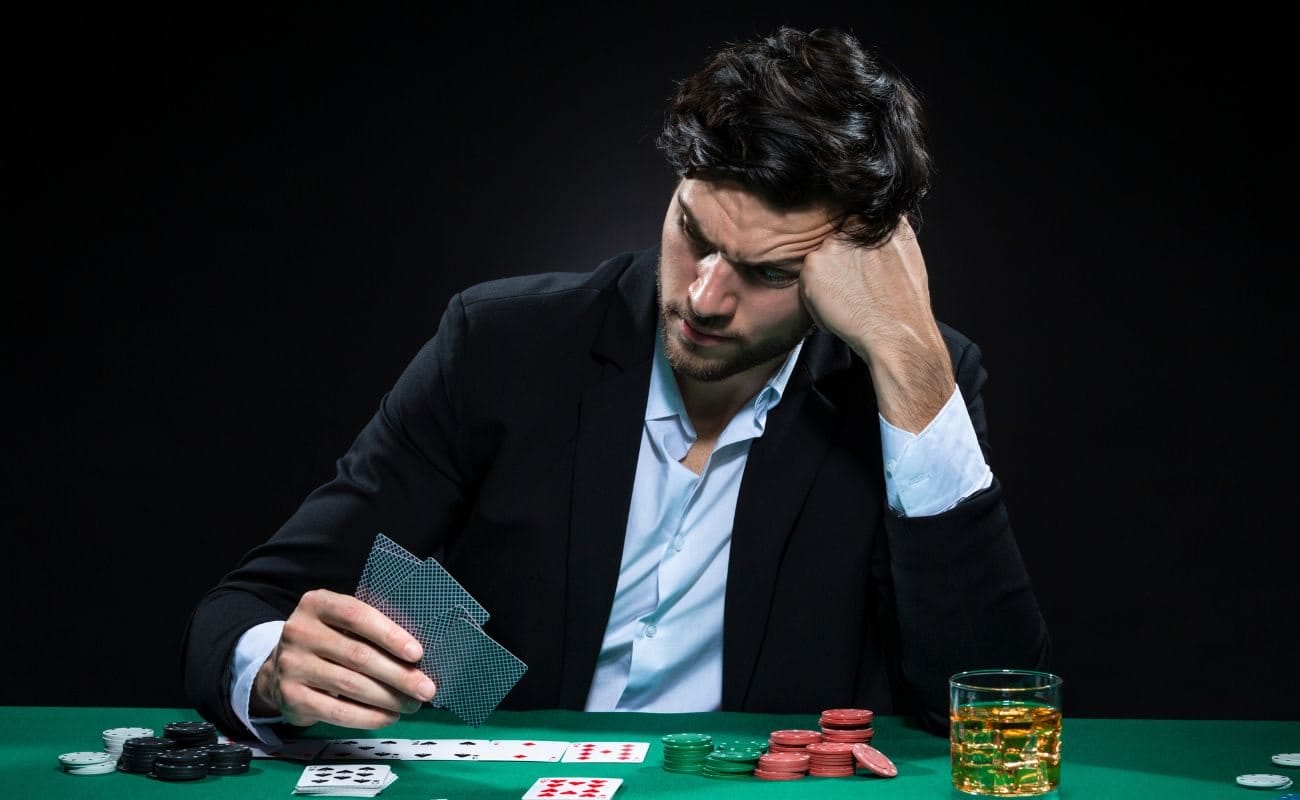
(405, 749)
(594, 788)
(607, 752)
(525, 750)
(361, 780)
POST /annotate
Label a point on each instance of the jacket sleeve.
(963, 597)
(403, 476)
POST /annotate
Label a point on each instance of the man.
(743, 470)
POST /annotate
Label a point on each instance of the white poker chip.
(1287, 759)
(127, 733)
(1259, 780)
(83, 758)
(94, 769)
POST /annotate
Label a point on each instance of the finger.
(306, 705)
(325, 655)
(316, 670)
(345, 612)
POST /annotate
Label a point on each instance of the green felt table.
(1101, 758)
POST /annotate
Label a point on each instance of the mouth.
(693, 334)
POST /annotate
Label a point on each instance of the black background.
(228, 229)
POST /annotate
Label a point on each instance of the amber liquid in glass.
(1006, 749)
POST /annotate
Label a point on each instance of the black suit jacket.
(507, 449)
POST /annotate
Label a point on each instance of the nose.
(714, 291)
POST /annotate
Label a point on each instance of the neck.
(711, 404)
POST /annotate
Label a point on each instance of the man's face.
(729, 279)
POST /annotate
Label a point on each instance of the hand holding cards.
(472, 671)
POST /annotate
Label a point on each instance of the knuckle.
(357, 654)
(349, 683)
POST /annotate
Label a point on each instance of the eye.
(698, 245)
(774, 277)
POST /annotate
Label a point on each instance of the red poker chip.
(874, 760)
(768, 775)
(780, 760)
(849, 714)
(791, 736)
(830, 748)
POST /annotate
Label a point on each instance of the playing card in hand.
(472, 671)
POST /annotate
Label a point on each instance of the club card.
(360, 780)
(405, 749)
(593, 788)
(449, 750)
(525, 750)
(365, 749)
(606, 752)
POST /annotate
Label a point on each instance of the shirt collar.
(665, 399)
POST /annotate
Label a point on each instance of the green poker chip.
(687, 740)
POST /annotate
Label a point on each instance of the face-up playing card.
(594, 788)
(360, 780)
(364, 749)
(405, 749)
(606, 752)
(525, 750)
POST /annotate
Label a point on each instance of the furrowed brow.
(748, 265)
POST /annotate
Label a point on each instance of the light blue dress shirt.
(662, 649)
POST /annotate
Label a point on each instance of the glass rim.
(1049, 680)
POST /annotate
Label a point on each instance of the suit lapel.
(778, 475)
(611, 417)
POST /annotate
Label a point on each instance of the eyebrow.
(746, 265)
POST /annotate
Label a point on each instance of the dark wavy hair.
(802, 119)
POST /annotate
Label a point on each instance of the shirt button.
(650, 631)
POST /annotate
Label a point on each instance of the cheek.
(676, 267)
(781, 312)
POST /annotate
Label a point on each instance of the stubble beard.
(744, 357)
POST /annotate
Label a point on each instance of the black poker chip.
(190, 733)
(165, 772)
(138, 754)
(180, 764)
(228, 758)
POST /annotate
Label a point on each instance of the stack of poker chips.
(685, 752)
(850, 725)
(782, 765)
(180, 764)
(85, 762)
(191, 733)
(228, 758)
(731, 762)
(138, 754)
(114, 737)
(831, 759)
(792, 740)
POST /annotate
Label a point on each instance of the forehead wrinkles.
(748, 230)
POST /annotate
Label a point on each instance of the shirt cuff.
(932, 471)
(254, 647)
